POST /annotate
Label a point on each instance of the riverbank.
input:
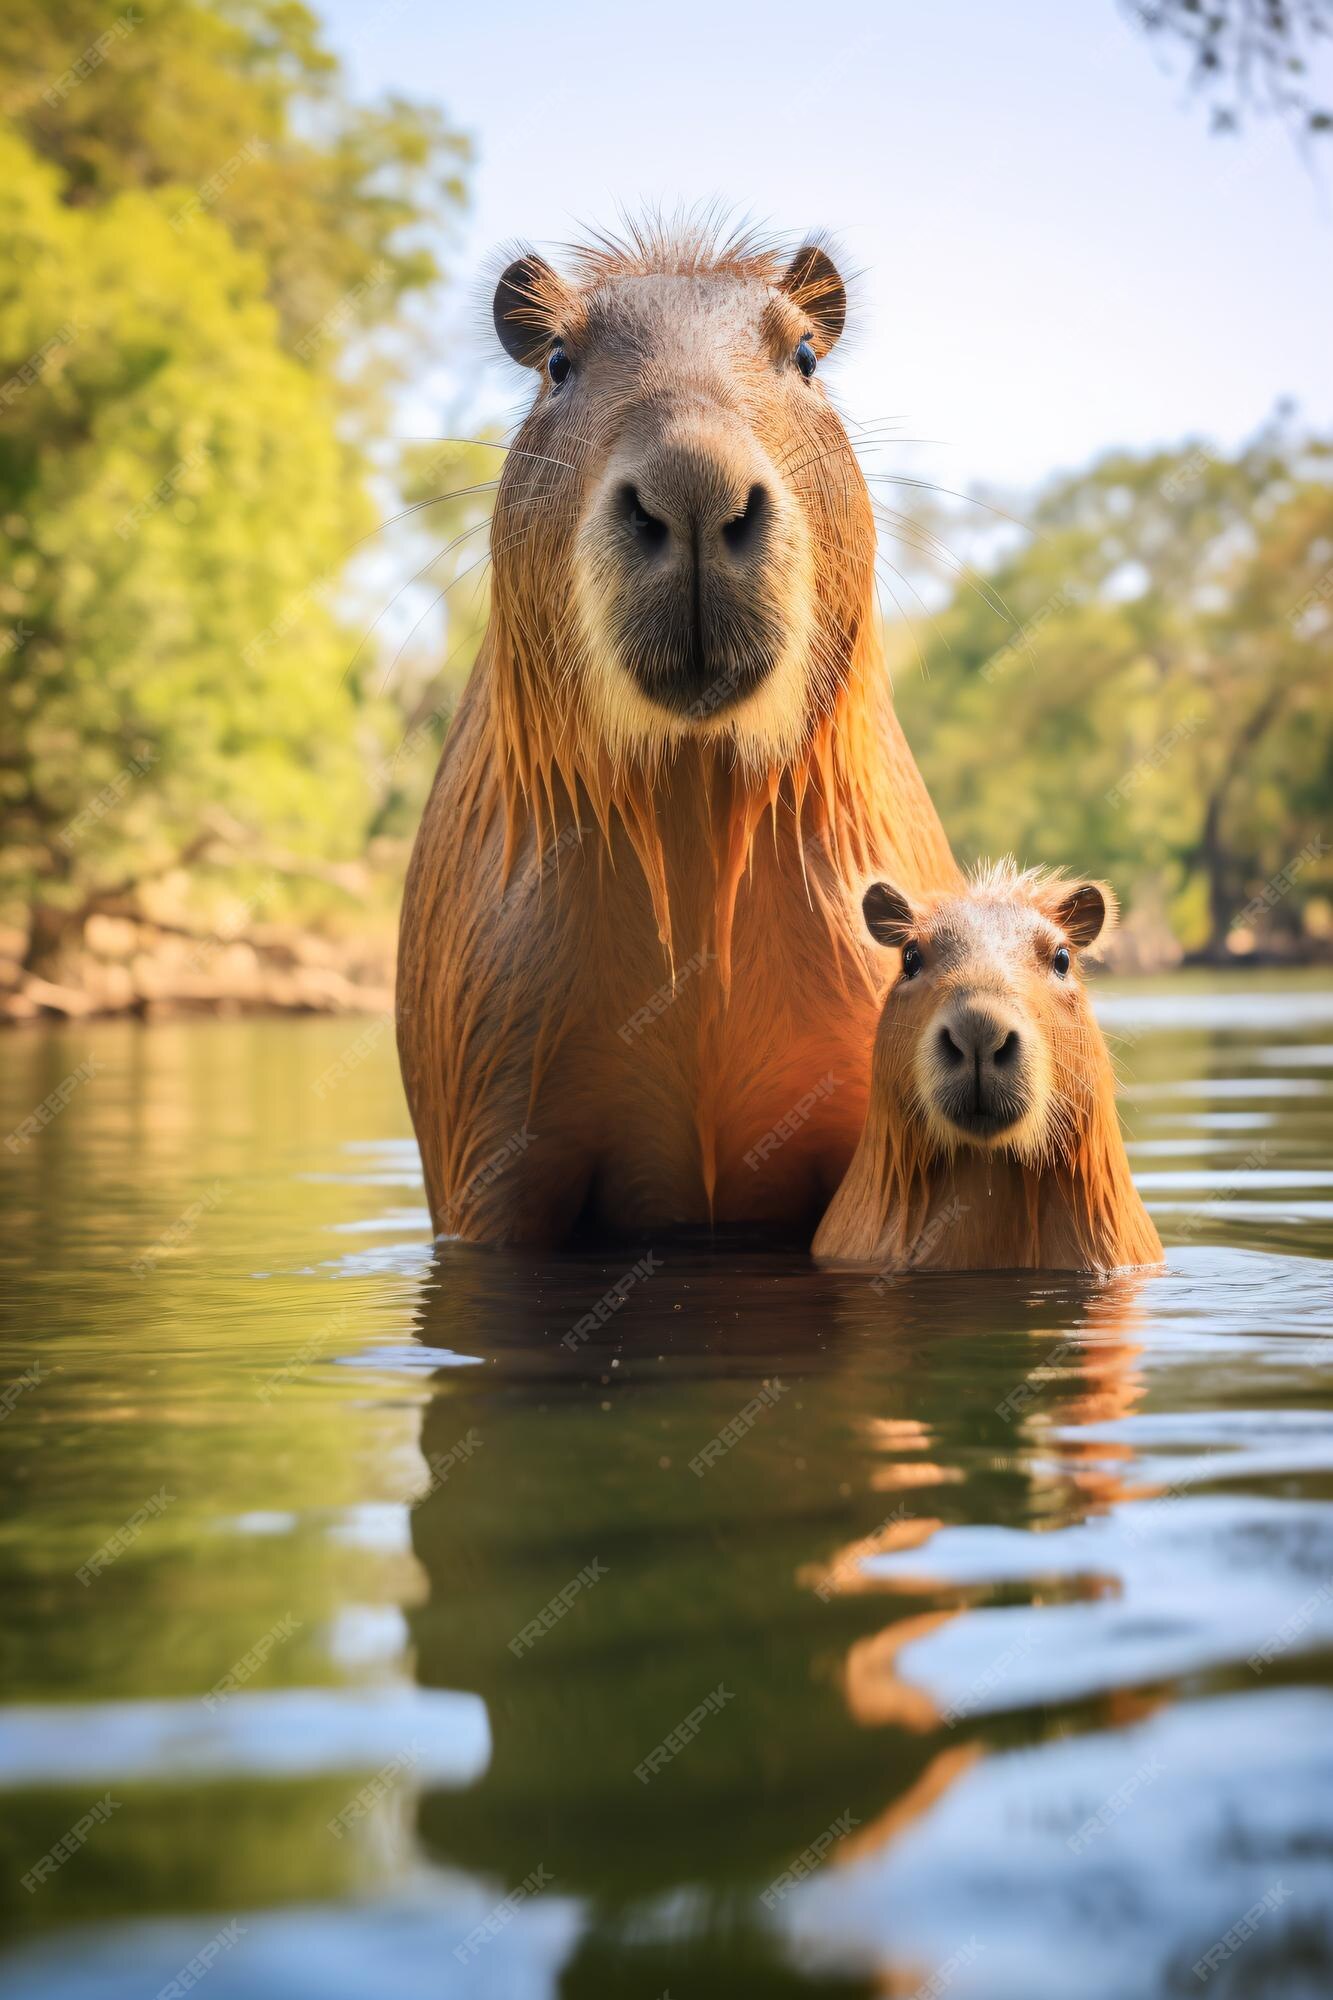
(139, 967)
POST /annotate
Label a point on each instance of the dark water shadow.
(650, 1501)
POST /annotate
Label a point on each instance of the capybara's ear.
(522, 309)
(1084, 910)
(889, 916)
(811, 282)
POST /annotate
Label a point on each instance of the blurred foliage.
(450, 485)
(199, 234)
(240, 112)
(1249, 56)
(1143, 687)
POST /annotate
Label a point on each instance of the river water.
(771, 1634)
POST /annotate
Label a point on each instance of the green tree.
(240, 111)
(199, 234)
(1158, 704)
(175, 507)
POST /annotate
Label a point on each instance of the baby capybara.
(991, 1141)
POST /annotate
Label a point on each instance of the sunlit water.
(362, 1635)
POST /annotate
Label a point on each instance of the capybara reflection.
(631, 990)
(991, 1141)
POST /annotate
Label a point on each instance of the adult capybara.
(633, 990)
(992, 1140)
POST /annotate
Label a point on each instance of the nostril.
(1007, 1052)
(950, 1052)
(744, 529)
(645, 527)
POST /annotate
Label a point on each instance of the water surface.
(363, 1634)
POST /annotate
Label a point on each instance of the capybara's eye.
(558, 364)
(912, 960)
(1060, 962)
(805, 356)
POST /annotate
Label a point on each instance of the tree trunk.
(1211, 852)
(1213, 857)
(51, 931)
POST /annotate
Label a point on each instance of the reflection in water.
(742, 1630)
(969, 1401)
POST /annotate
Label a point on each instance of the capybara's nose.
(981, 1078)
(974, 1038)
(688, 529)
(689, 506)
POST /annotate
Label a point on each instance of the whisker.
(929, 486)
(897, 523)
(486, 444)
(440, 596)
(437, 557)
(460, 493)
(909, 585)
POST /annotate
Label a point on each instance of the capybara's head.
(987, 1038)
(681, 523)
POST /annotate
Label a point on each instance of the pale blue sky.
(1055, 254)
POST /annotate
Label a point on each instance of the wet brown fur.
(566, 877)
(1059, 1198)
